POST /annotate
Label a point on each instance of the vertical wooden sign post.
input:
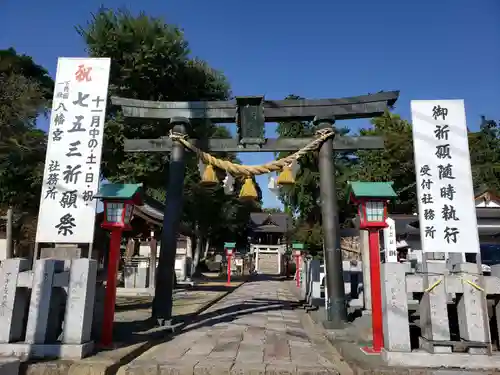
(390, 243)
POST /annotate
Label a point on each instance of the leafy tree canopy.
(484, 148)
(394, 163)
(302, 199)
(151, 60)
(25, 93)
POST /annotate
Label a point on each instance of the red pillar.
(376, 291)
(229, 270)
(297, 270)
(109, 302)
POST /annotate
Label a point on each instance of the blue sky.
(428, 49)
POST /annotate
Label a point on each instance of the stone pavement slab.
(349, 340)
(257, 329)
(134, 335)
(132, 316)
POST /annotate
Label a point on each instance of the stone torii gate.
(250, 114)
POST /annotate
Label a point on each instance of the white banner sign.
(447, 214)
(390, 243)
(72, 165)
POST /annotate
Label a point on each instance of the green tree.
(25, 93)
(302, 198)
(396, 161)
(151, 60)
(393, 163)
(216, 216)
(484, 148)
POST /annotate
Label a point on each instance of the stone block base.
(440, 360)
(24, 351)
(9, 366)
(432, 348)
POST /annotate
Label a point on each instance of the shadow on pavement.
(134, 306)
(208, 288)
(146, 330)
(228, 314)
(146, 302)
(149, 335)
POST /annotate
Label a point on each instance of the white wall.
(3, 249)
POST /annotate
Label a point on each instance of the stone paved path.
(257, 329)
(133, 313)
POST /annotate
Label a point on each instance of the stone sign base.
(441, 360)
(24, 351)
(47, 312)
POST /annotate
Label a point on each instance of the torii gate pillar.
(336, 309)
(165, 280)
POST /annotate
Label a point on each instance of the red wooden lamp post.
(229, 247)
(119, 201)
(298, 248)
(372, 198)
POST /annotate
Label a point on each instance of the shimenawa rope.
(254, 170)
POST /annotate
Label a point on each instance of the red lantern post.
(298, 248)
(371, 198)
(119, 201)
(297, 268)
(229, 247)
